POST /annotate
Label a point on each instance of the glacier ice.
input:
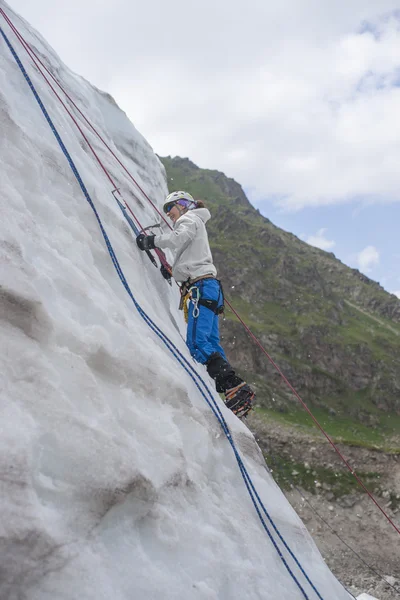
(115, 479)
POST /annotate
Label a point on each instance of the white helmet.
(184, 199)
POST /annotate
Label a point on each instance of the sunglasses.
(169, 207)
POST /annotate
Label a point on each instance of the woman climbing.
(194, 270)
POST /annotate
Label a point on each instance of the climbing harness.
(197, 379)
(36, 60)
(190, 292)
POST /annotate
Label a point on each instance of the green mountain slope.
(334, 332)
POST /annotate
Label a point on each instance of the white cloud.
(368, 258)
(296, 100)
(320, 241)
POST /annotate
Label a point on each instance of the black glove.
(166, 273)
(145, 242)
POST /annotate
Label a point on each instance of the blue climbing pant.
(202, 337)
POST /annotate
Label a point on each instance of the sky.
(297, 100)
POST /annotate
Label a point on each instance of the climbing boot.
(239, 396)
(222, 372)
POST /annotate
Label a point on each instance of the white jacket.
(189, 244)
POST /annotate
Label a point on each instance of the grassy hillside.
(334, 332)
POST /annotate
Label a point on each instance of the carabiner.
(195, 297)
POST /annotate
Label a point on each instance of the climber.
(194, 270)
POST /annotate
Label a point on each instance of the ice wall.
(116, 480)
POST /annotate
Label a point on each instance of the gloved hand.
(166, 273)
(145, 242)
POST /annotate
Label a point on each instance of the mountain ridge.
(334, 331)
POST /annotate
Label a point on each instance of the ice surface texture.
(116, 480)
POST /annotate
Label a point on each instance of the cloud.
(368, 258)
(296, 100)
(320, 241)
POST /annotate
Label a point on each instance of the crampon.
(240, 399)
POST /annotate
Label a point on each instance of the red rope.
(31, 51)
(332, 443)
(33, 56)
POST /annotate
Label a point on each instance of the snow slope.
(116, 480)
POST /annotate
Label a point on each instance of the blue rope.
(173, 349)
